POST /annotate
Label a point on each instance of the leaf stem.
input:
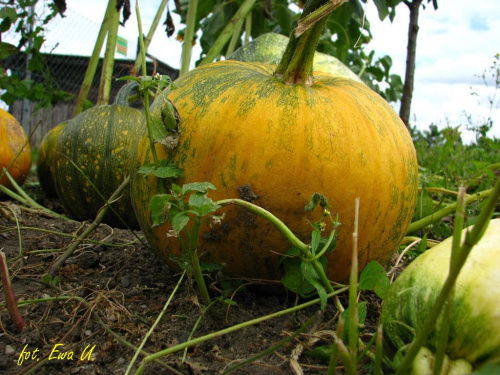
(445, 211)
(289, 235)
(187, 46)
(234, 328)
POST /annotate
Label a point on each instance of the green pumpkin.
(45, 162)
(269, 47)
(92, 159)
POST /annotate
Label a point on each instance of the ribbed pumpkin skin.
(12, 140)
(475, 325)
(45, 162)
(242, 127)
(99, 141)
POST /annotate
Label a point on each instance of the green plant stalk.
(187, 46)
(289, 235)
(235, 37)
(332, 365)
(25, 199)
(227, 32)
(292, 43)
(309, 20)
(353, 292)
(345, 355)
(94, 61)
(140, 58)
(18, 227)
(10, 297)
(272, 348)
(158, 319)
(98, 220)
(145, 95)
(448, 306)
(194, 262)
(234, 328)
(471, 238)
(195, 326)
(445, 211)
(377, 366)
(109, 57)
(248, 27)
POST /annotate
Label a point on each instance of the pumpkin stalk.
(296, 66)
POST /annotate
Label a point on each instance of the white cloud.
(455, 44)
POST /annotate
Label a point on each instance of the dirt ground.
(111, 291)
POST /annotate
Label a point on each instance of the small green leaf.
(315, 240)
(362, 309)
(176, 189)
(168, 171)
(180, 221)
(7, 49)
(201, 187)
(316, 199)
(312, 277)
(374, 278)
(203, 205)
(159, 207)
(293, 279)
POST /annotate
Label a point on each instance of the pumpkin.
(15, 150)
(45, 162)
(269, 47)
(276, 140)
(92, 157)
(475, 328)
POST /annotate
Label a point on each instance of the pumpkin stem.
(296, 65)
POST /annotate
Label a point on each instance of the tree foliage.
(346, 36)
(17, 15)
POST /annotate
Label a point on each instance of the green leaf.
(201, 187)
(180, 221)
(383, 10)
(362, 309)
(312, 277)
(316, 199)
(210, 267)
(7, 49)
(374, 278)
(293, 278)
(315, 240)
(159, 206)
(168, 171)
(201, 204)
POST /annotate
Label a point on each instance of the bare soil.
(111, 291)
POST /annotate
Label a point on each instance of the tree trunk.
(406, 98)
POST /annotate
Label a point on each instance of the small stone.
(120, 361)
(88, 332)
(126, 281)
(9, 350)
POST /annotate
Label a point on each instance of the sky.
(455, 45)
